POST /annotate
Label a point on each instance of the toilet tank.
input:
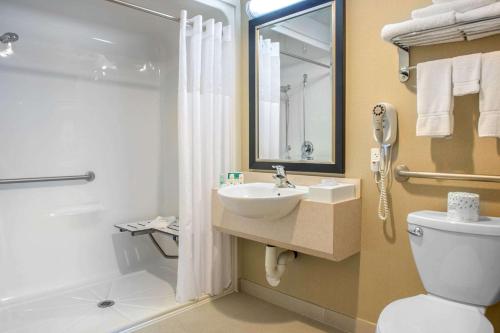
(459, 261)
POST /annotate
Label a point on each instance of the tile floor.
(138, 297)
(238, 313)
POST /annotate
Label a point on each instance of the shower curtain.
(269, 99)
(205, 121)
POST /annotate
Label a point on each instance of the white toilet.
(459, 264)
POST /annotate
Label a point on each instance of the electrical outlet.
(375, 160)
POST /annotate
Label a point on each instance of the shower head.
(9, 37)
(285, 88)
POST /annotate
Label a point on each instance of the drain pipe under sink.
(276, 264)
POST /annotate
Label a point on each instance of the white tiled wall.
(80, 95)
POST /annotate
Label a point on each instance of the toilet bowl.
(458, 265)
(429, 314)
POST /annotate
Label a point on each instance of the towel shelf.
(403, 174)
(464, 31)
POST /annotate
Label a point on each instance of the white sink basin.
(261, 200)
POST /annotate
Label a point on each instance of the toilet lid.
(429, 314)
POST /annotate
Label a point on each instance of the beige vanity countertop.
(327, 230)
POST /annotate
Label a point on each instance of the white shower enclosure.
(89, 86)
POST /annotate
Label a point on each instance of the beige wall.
(384, 271)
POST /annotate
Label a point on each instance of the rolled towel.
(466, 74)
(459, 6)
(434, 99)
(442, 1)
(489, 98)
(390, 31)
(479, 13)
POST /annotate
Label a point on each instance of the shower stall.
(89, 89)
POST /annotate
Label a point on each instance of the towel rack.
(463, 31)
(403, 174)
(89, 176)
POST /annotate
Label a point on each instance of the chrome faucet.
(280, 178)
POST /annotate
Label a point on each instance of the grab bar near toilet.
(403, 174)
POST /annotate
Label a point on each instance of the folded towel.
(459, 6)
(489, 98)
(479, 13)
(390, 31)
(466, 74)
(434, 98)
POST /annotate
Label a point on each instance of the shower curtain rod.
(145, 10)
(314, 62)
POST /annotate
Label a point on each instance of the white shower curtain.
(269, 99)
(205, 122)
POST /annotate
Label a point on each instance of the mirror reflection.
(295, 118)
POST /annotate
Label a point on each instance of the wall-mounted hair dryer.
(385, 123)
(385, 128)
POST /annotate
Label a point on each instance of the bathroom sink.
(261, 200)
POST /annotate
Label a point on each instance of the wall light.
(257, 8)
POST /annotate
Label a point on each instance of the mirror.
(296, 88)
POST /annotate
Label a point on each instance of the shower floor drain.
(105, 304)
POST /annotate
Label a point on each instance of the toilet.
(458, 263)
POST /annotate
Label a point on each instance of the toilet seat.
(430, 314)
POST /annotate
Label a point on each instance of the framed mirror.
(297, 88)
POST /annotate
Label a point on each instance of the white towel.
(479, 13)
(459, 6)
(390, 31)
(434, 99)
(466, 74)
(489, 96)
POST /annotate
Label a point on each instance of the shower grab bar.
(403, 174)
(89, 176)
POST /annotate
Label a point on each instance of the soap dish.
(332, 192)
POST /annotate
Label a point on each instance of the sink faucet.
(280, 178)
